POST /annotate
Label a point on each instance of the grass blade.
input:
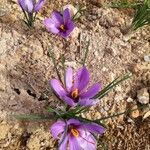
(110, 86)
(51, 55)
(33, 117)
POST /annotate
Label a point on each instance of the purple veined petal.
(74, 122)
(86, 140)
(63, 145)
(90, 142)
(91, 92)
(81, 79)
(94, 128)
(38, 5)
(27, 5)
(21, 3)
(57, 18)
(58, 89)
(50, 25)
(70, 27)
(68, 100)
(64, 34)
(66, 16)
(69, 79)
(73, 143)
(57, 128)
(87, 102)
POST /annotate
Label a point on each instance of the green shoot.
(121, 113)
(142, 12)
(125, 4)
(51, 55)
(33, 117)
(78, 13)
(110, 86)
(86, 53)
(142, 15)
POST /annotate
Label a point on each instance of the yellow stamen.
(75, 132)
(62, 27)
(75, 93)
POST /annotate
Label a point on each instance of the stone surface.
(143, 96)
(147, 58)
(25, 71)
(135, 113)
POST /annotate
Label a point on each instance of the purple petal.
(51, 26)
(26, 5)
(90, 142)
(66, 15)
(87, 102)
(38, 5)
(57, 18)
(63, 145)
(68, 100)
(70, 27)
(69, 79)
(81, 79)
(91, 92)
(86, 140)
(73, 122)
(73, 143)
(94, 128)
(58, 89)
(57, 128)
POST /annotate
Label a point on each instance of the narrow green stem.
(55, 65)
(86, 53)
(118, 114)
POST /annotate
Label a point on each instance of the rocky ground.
(25, 70)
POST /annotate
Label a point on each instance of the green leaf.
(111, 85)
(86, 53)
(32, 117)
(121, 113)
(51, 55)
(124, 4)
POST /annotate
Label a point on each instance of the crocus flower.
(75, 135)
(74, 92)
(31, 6)
(60, 24)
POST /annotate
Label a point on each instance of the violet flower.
(29, 7)
(60, 24)
(75, 135)
(74, 91)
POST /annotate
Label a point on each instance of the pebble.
(136, 113)
(129, 99)
(147, 58)
(37, 54)
(143, 96)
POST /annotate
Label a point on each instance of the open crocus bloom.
(60, 24)
(75, 135)
(74, 91)
(31, 6)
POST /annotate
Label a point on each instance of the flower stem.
(86, 53)
(121, 113)
(55, 65)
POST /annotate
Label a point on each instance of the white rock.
(135, 113)
(143, 96)
(129, 99)
(147, 58)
